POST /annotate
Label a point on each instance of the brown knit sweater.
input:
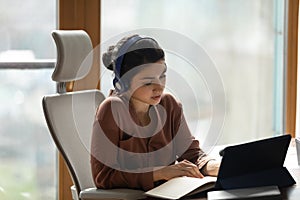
(125, 154)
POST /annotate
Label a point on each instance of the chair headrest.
(74, 55)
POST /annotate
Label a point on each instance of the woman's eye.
(162, 76)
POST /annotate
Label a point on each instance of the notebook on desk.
(254, 164)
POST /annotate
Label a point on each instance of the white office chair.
(70, 116)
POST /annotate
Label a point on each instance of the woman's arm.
(188, 148)
(107, 178)
(105, 165)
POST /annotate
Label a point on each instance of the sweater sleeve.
(105, 167)
(190, 147)
(187, 147)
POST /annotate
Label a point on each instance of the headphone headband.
(122, 51)
(118, 84)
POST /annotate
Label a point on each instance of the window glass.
(27, 153)
(244, 41)
(25, 30)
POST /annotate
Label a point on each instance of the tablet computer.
(254, 164)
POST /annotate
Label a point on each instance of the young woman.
(140, 136)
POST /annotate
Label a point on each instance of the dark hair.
(145, 50)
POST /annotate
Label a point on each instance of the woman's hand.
(211, 168)
(183, 168)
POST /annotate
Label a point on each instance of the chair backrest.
(70, 115)
(70, 119)
(74, 55)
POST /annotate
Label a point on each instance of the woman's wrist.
(158, 175)
(211, 168)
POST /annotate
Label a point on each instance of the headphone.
(120, 85)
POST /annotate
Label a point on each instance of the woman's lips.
(157, 97)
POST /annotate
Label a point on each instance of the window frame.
(38, 64)
(85, 15)
(291, 59)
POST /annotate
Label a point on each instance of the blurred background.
(244, 40)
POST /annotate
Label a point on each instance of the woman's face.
(148, 84)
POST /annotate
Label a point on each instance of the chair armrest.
(74, 192)
(124, 194)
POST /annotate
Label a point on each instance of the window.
(27, 155)
(243, 39)
(25, 30)
(27, 53)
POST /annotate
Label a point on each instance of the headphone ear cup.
(118, 86)
(121, 86)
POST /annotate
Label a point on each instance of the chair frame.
(74, 50)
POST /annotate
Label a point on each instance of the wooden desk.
(291, 162)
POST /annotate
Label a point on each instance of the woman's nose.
(158, 86)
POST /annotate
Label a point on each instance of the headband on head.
(122, 51)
